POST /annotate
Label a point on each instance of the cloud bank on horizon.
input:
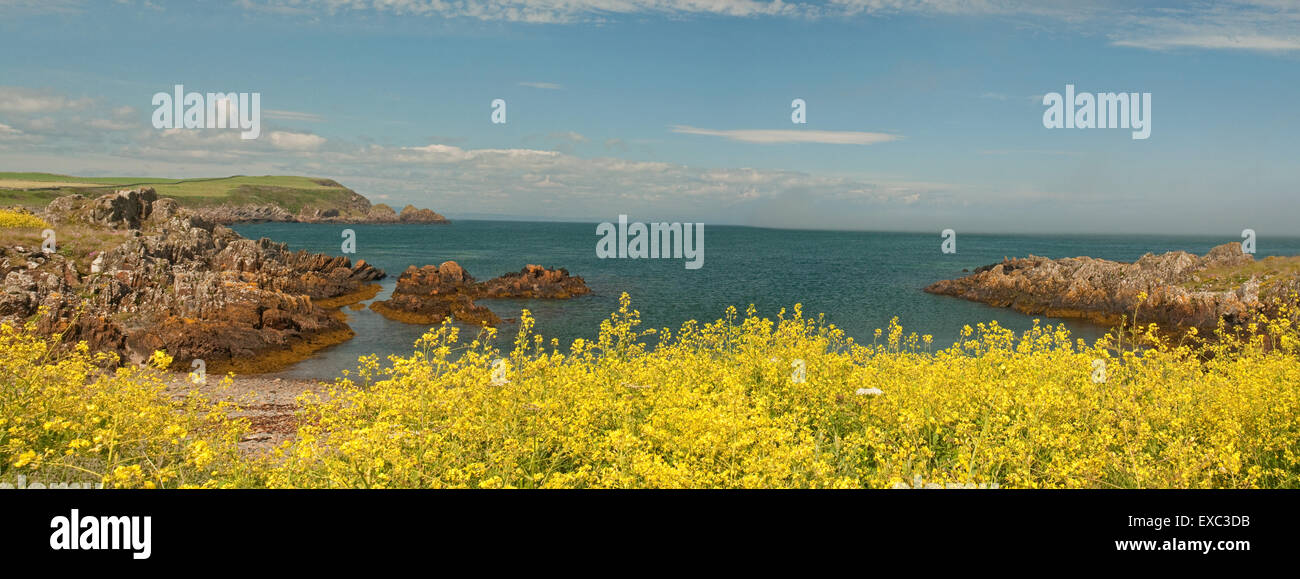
(923, 114)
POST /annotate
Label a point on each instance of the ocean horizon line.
(1032, 233)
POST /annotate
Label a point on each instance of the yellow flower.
(25, 459)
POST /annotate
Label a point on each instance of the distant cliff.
(1174, 290)
(226, 200)
(358, 213)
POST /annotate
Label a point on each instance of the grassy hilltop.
(291, 193)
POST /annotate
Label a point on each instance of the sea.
(859, 280)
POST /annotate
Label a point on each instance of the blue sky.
(680, 110)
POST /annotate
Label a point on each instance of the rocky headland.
(1176, 290)
(362, 212)
(430, 294)
(226, 200)
(134, 273)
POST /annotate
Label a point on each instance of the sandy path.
(268, 403)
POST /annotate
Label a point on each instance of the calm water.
(858, 279)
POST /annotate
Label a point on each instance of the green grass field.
(291, 193)
(1270, 269)
(37, 178)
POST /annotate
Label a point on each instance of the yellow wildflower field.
(19, 220)
(63, 420)
(742, 402)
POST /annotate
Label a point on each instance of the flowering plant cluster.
(715, 405)
(64, 418)
(20, 220)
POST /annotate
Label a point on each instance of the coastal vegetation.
(10, 219)
(291, 191)
(63, 420)
(744, 401)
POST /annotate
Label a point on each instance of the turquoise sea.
(858, 279)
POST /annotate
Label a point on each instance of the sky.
(922, 115)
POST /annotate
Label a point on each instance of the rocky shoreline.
(135, 273)
(1176, 290)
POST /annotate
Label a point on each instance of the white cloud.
(8, 132)
(451, 154)
(22, 100)
(296, 141)
(1269, 26)
(1243, 25)
(567, 11)
(1240, 25)
(537, 11)
(22, 7)
(774, 136)
(569, 136)
(110, 125)
(542, 85)
(1061, 9)
(292, 115)
(1247, 25)
(1215, 41)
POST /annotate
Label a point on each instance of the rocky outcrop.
(429, 295)
(534, 281)
(124, 209)
(246, 214)
(1177, 287)
(410, 214)
(172, 280)
(381, 213)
